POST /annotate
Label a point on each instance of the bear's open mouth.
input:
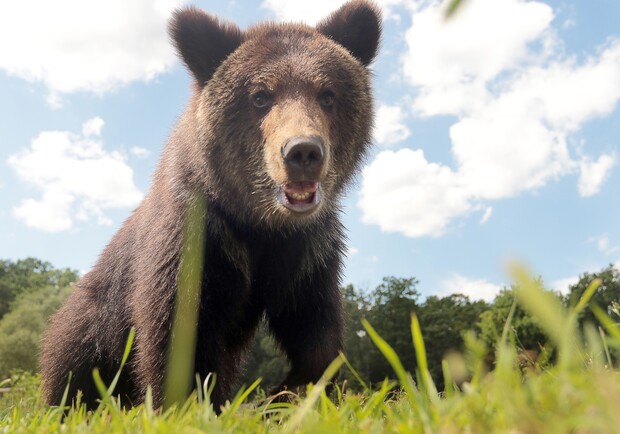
(301, 196)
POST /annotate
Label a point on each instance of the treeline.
(446, 323)
(31, 290)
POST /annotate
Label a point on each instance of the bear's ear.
(357, 27)
(203, 41)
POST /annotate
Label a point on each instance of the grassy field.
(578, 392)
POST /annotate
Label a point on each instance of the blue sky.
(497, 134)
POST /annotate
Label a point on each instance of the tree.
(21, 329)
(392, 303)
(607, 294)
(443, 322)
(607, 297)
(27, 276)
(30, 291)
(388, 308)
(524, 329)
(264, 361)
(357, 345)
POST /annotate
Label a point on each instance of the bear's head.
(282, 113)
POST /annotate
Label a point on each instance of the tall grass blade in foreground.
(418, 403)
(107, 393)
(182, 345)
(611, 327)
(65, 394)
(552, 316)
(128, 345)
(424, 375)
(313, 395)
(453, 7)
(242, 395)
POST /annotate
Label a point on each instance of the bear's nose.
(305, 153)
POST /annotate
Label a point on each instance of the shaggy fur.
(256, 93)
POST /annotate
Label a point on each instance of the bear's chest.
(243, 266)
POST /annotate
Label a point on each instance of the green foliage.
(392, 303)
(30, 291)
(265, 361)
(606, 296)
(524, 330)
(357, 345)
(21, 329)
(29, 275)
(389, 307)
(443, 322)
(24, 393)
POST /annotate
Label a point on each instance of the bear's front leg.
(310, 333)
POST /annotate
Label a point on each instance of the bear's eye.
(326, 99)
(261, 100)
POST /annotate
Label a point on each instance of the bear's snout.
(304, 157)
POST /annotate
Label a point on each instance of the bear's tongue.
(300, 192)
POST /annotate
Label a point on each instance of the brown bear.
(277, 126)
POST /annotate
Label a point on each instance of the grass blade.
(453, 7)
(388, 352)
(242, 395)
(543, 305)
(295, 421)
(179, 375)
(610, 326)
(508, 323)
(418, 404)
(106, 400)
(354, 371)
(65, 394)
(587, 295)
(420, 352)
(128, 345)
(610, 363)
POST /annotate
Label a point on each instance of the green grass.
(578, 393)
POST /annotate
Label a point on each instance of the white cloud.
(517, 99)
(604, 245)
(73, 45)
(140, 152)
(77, 178)
(569, 23)
(401, 191)
(475, 289)
(390, 127)
(308, 12)
(92, 127)
(487, 215)
(315, 11)
(51, 214)
(593, 173)
(563, 285)
(451, 60)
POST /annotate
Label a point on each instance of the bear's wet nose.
(304, 153)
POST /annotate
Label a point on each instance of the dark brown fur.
(261, 258)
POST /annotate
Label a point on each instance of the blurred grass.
(579, 393)
(179, 376)
(452, 7)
